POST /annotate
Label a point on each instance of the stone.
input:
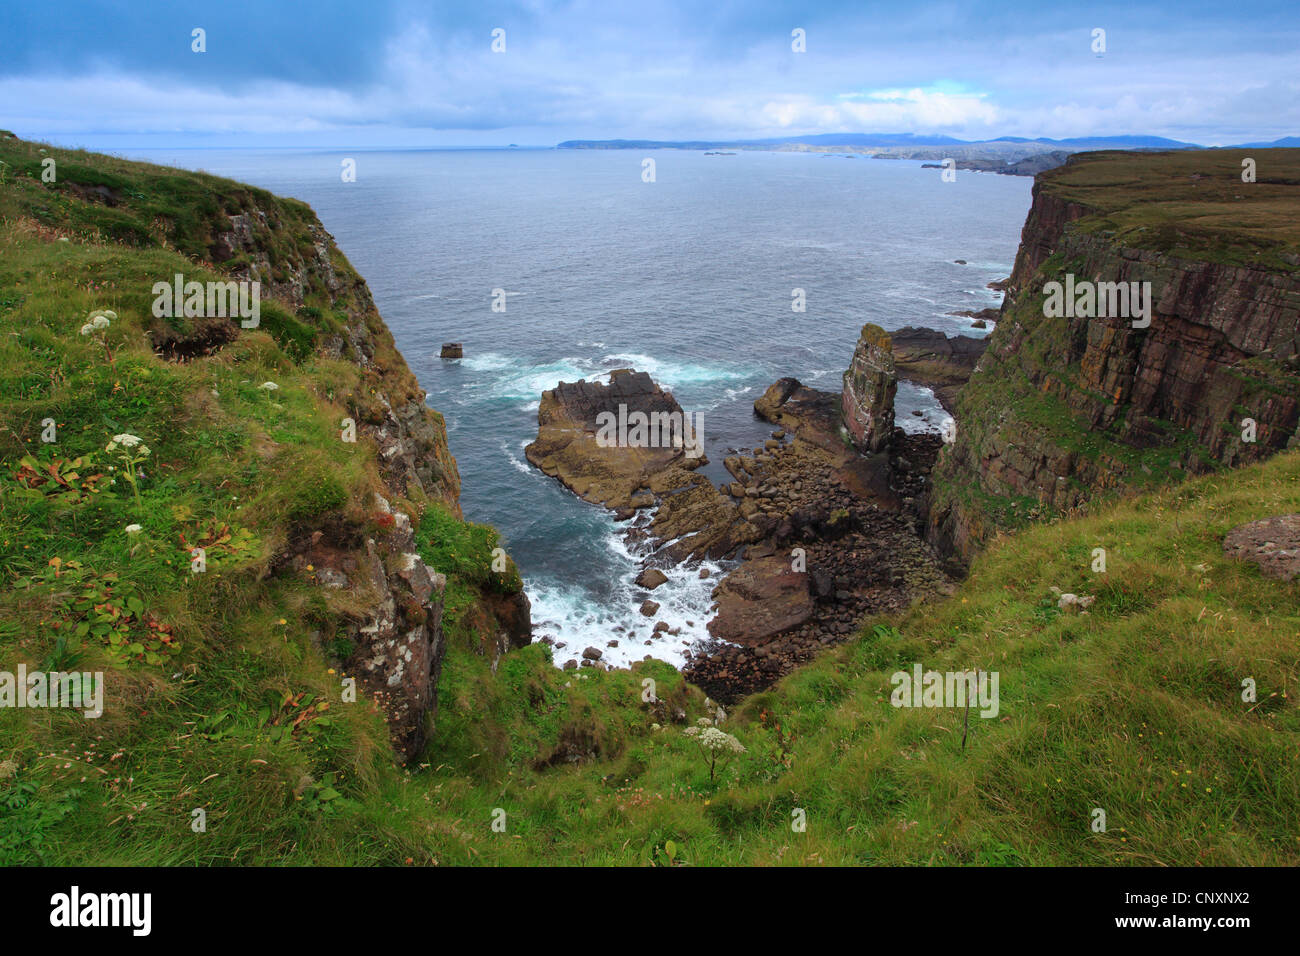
(1271, 544)
(591, 654)
(760, 599)
(452, 350)
(651, 578)
(650, 608)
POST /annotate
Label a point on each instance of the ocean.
(690, 277)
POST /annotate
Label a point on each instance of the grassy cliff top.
(1192, 203)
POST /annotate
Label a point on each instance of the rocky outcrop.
(867, 399)
(942, 363)
(612, 467)
(1062, 409)
(1272, 544)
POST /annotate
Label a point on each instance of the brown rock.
(1272, 544)
(760, 599)
(651, 578)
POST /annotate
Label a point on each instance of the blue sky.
(121, 73)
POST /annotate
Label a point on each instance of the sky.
(400, 73)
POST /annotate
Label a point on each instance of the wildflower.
(268, 386)
(125, 440)
(87, 329)
(715, 743)
(133, 529)
(100, 322)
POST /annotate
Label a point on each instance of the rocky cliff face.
(867, 399)
(390, 601)
(1059, 409)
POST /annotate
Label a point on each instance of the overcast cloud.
(393, 73)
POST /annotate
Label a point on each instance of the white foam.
(569, 614)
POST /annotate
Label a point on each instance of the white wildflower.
(711, 738)
(269, 386)
(133, 529)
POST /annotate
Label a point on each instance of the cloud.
(401, 72)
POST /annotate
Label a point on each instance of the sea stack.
(867, 399)
(451, 350)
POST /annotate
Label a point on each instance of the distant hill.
(867, 140)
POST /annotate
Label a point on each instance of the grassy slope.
(1134, 708)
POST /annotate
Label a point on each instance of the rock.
(571, 665)
(760, 599)
(943, 363)
(1067, 600)
(451, 350)
(330, 578)
(867, 399)
(649, 608)
(578, 439)
(660, 627)
(651, 578)
(592, 654)
(1271, 544)
(514, 615)
(704, 573)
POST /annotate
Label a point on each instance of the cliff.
(292, 446)
(1063, 407)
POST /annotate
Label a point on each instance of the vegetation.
(1135, 707)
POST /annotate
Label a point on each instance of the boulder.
(452, 350)
(760, 599)
(651, 578)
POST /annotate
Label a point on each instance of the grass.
(1191, 204)
(1134, 708)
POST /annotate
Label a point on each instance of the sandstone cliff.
(1060, 409)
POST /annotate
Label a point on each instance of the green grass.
(1134, 708)
(1190, 204)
